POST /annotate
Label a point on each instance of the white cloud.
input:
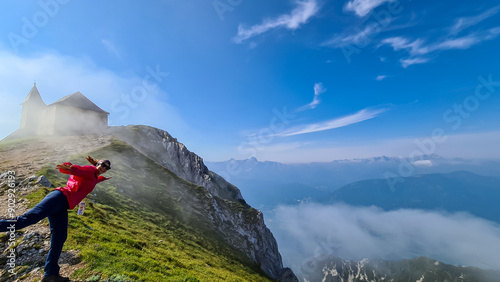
(318, 90)
(300, 15)
(418, 48)
(467, 41)
(363, 7)
(360, 116)
(465, 22)
(423, 163)
(111, 47)
(415, 47)
(57, 76)
(413, 61)
(359, 37)
(381, 77)
(358, 232)
(458, 43)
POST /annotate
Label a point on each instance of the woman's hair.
(92, 160)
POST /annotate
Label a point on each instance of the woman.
(55, 205)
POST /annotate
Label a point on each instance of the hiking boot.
(54, 278)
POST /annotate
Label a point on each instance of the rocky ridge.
(243, 228)
(160, 146)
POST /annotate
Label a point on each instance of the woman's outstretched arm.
(69, 168)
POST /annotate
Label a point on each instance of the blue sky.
(288, 81)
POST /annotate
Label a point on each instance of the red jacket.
(81, 182)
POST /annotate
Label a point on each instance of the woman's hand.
(64, 167)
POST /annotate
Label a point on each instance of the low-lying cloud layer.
(355, 233)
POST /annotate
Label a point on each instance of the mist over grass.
(355, 233)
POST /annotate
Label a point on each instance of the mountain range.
(459, 191)
(268, 184)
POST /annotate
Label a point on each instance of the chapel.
(73, 114)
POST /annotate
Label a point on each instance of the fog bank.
(355, 233)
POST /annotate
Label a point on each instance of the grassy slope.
(137, 226)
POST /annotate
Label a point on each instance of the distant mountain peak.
(252, 160)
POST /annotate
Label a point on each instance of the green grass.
(139, 226)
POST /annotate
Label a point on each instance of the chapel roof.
(78, 100)
(34, 97)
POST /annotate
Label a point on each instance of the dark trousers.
(55, 207)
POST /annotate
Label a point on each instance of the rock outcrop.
(244, 228)
(160, 146)
(33, 180)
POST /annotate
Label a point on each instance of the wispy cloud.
(110, 46)
(413, 61)
(363, 7)
(465, 22)
(381, 77)
(419, 48)
(358, 37)
(318, 90)
(300, 15)
(360, 116)
(415, 47)
(465, 42)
